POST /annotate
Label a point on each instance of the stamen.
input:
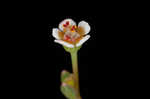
(64, 25)
(67, 23)
(73, 28)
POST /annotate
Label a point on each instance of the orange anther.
(73, 28)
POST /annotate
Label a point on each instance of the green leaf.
(64, 75)
(67, 78)
(68, 91)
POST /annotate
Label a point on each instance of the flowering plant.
(72, 38)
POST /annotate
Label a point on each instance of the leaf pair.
(67, 86)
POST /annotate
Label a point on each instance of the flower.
(70, 35)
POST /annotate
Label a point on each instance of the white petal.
(71, 22)
(55, 32)
(85, 26)
(64, 43)
(83, 40)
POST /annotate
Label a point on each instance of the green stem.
(75, 71)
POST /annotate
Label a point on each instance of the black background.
(32, 62)
(102, 59)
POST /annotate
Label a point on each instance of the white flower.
(71, 35)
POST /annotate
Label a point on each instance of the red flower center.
(67, 37)
(71, 34)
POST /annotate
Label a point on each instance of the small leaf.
(68, 91)
(67, 78)
(64, 75)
